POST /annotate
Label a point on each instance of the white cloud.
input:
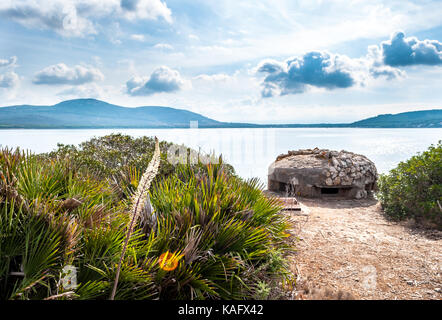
(313, 69)
(402, 51)
(377, 68)
(321, 69)
(162, 79)
(163, 46)
(62, 74)
(11, 62)
(218, 77)
(9, 80)
(60, 16)
(79, 18)
(137, 37)
(146, 9)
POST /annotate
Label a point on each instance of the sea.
(251, 151)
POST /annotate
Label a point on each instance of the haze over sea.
(251, 151)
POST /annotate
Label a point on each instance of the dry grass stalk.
(138, 202)
(64, 294)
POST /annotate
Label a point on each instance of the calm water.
(251, 151)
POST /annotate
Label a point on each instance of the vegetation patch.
(65, 216)
(413, 190)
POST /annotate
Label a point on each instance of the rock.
(361, 194)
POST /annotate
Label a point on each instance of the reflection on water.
(251, 151)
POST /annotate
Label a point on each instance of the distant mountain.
(91, 113)
(413, 119)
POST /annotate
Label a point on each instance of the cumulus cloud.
(79, 18)
(62, 74)
(317, 69)
(162, 79)
(402, 51)
(377, 68)
(146, 9)
(387, 72)
(331, 71)
(9, 80)
(271, 66)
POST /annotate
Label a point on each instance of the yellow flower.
(134, 182)
(169, 261)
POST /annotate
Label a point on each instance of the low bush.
(413, 190)
(117, 154)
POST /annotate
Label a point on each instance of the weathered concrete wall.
(308, 171)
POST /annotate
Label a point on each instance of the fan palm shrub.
(210, 235)
(225, 230)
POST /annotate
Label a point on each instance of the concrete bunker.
(322, 173)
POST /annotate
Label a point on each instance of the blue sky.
(246, 61)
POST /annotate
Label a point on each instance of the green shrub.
(58, 210)
(117, 156)
(414, 188)
(107, 156)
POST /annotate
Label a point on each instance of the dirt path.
(348, 249)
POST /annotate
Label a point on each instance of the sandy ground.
(348, 249)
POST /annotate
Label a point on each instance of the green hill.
(413, 119)
(91, 113)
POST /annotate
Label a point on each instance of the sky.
(278, 61)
